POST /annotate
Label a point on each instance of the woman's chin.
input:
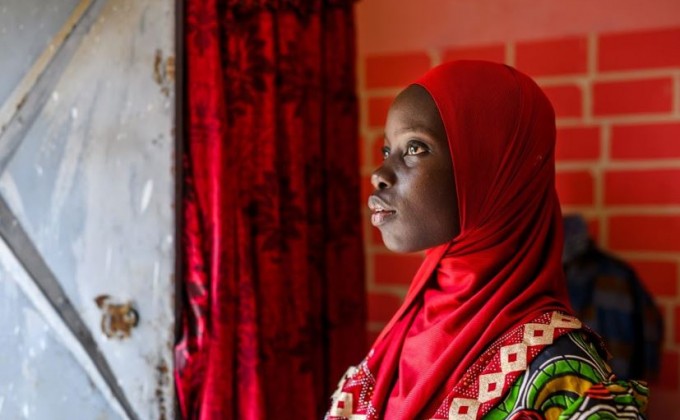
(404, 246)
(398, 246)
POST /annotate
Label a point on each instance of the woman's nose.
(382, 178)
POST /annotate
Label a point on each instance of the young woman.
(485, 330)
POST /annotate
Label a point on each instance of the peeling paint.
(118, 319)
(164, 72)
(162, 382)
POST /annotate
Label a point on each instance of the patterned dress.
(569, 380)
(545, 369)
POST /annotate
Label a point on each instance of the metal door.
(86, 209)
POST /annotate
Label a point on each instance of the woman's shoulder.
(570, 379)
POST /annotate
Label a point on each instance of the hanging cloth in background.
(272, 278)
(608, 296)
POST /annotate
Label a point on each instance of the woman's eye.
(415, 149)
(385, 152)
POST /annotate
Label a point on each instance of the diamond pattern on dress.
(559, 320)
(490, 386)
(513, 358)
(342, 405)
(538, 334)
(463, 409)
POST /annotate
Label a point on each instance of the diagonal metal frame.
(29, 257)
(30, 105)
(11, 230)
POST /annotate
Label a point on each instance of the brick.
(660, 277)
(376, 236)
(661, 402)
(645, 233)
(362, 152)
(495, 53)
(577, 143)
(381, 306)
(377, 155)
(552, 57)
(594, 229)
(636, 50)
(676, 324)
(371, 336)
(633, 97)
(399, 70)
(567, 100)
(656, 186)
(396, 269)
(646, 141)
(366, 190)
(377, 110)
(575, 188)
(593, 226)
(670, 371)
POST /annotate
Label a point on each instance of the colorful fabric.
(504, 268)
(545, 369)
(569, 380)
(608, 296)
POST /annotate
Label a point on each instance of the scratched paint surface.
(26, 28)
(39, 377)
(92, 185)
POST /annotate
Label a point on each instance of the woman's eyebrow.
(416, 128)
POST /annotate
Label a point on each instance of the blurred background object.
(608, 295)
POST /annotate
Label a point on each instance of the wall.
(613, 75)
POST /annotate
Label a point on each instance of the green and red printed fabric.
(548, 368)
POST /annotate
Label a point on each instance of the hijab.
(504, 267)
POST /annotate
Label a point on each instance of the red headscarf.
(504, 268)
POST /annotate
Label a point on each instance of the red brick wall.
(617, 100)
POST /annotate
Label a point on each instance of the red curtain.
(273, 290)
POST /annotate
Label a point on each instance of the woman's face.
(414, 203)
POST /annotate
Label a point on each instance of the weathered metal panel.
(26, 29)
(39, 376)
(92, 185)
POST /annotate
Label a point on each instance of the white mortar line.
(587, 83)
(649, 255)
(592, 50)
(676, 94)
(637, 74)
(510, 53)
(382, 92)
(620, 165)
(435, 56)
(623, 119)
(398, 291)
(375, 327)
(642, 210)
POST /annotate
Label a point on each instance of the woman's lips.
(381, 216)
(381, 212)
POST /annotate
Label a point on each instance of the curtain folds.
(273, 290)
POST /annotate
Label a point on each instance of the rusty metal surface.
(29, 257)
(87, 186)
